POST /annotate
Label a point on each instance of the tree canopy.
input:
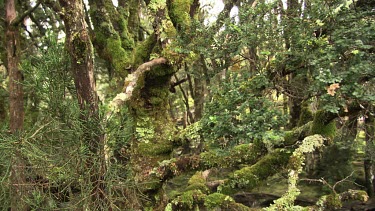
(175, 105)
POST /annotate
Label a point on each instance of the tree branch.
(20, 18)
(133, 80)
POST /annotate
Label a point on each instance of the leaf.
(331, 90)
(355, 52)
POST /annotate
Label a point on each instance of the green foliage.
(49, 81)
(345, 58)
(239, 113)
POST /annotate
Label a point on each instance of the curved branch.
(133, 80)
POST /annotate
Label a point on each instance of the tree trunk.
(198, 99)
(79, 46)
(368, 162)
(16, 110)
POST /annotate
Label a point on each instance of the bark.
(15, 75)
(80, 49)
(368, 162)
(198, 99)
(16, 110)
(186, 102)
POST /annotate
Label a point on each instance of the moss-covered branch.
(112, 45)
(135, 81)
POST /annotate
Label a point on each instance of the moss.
(188, 200)
(240, 154)
(151, 149)
(332, 202)
(359, 195)
(251, 176)
(306, 114)
(220, 201)
(291, 137)
(216, 200)
(79, 48)
(197, 182)
(142, 51)
(197, 178)
(152, 183)
(179, 13)
(119, 57)
(177, 185)
(322, 127)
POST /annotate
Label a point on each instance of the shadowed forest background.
(173, 105)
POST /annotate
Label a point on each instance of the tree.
(235, 82)
(78, 44)
(16, 102)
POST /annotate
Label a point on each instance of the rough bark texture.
(17, 178)
(15, 75)
(79, 46)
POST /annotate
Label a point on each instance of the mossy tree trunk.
(112, 38)
(80, 49)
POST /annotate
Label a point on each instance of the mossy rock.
(217, 201)
(189, 200)
(332, 202)
(197, 182)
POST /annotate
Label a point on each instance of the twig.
(322, 180)
(39, 129)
